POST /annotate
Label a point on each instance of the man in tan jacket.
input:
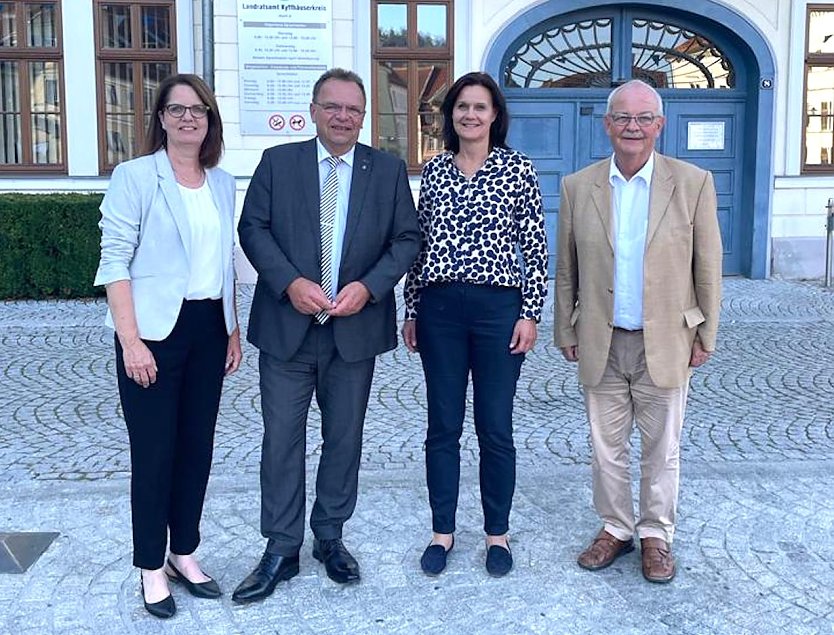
(638, 293)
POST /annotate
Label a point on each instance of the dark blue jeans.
(463, 328)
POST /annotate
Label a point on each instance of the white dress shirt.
(630, 209)
(343, 198)
(205, 278)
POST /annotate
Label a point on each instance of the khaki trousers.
(626, 395)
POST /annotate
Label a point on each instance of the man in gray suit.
(330, 227)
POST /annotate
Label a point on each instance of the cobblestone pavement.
(755, 540)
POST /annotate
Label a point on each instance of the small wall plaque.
(705, 135)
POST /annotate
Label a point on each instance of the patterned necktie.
(327, 216)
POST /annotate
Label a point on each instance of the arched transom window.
(585, 54)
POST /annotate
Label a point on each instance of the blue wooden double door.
(558, 72)
(565, 135)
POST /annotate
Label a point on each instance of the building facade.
(748, 89)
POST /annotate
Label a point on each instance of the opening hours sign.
(283, 48)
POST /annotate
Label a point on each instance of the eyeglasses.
(644, 119)
(198, 111)
(334, 109)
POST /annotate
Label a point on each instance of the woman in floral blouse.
(473, 300)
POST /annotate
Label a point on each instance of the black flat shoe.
(499, 560)
(433, 560)
(341, 567)
(208, 590)
(163, 609)
(260, 584)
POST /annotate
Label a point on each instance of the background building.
(748, 90)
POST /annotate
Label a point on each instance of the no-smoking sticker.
(297, 122)
(276, 122)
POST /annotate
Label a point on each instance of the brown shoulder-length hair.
(155, 138)
(499, 128)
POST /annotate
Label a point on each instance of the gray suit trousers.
(342, 390)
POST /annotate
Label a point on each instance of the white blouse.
(206, 275)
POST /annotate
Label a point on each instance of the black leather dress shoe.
(340, 565)
(163, 609)
(261, 582)
(208, 590)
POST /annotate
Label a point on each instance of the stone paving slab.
(755, 541)
(751, 553)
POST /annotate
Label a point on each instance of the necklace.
(191, 180)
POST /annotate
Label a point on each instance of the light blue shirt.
(343, 198)
(630, 207)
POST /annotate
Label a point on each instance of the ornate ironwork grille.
(669, 56)
(579, 55)
(576, 55)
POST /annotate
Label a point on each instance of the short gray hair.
(632, 84)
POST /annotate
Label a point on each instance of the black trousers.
(461, 329)
(171, 429)
(342, 390)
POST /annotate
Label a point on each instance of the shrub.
(49, 245)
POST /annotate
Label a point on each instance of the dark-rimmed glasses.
(198, 111)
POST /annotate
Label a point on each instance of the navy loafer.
(433, 560)
(499, 560)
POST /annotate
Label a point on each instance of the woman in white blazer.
(166, 261)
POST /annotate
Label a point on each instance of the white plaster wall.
(80, 88)
(799, 206)
(798, 209)
(197, 37)
(185, 36)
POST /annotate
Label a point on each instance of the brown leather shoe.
(604, 550)
(658, 563)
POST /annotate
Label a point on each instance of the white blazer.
(145, 238)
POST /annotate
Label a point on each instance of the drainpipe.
(829, 230)
(208, 42)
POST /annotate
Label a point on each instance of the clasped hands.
(308, 298)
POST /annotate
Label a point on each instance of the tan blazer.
(681, 269)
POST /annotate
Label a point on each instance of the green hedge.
(49, 245)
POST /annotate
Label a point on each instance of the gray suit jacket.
(280, 234)
(145, 238)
